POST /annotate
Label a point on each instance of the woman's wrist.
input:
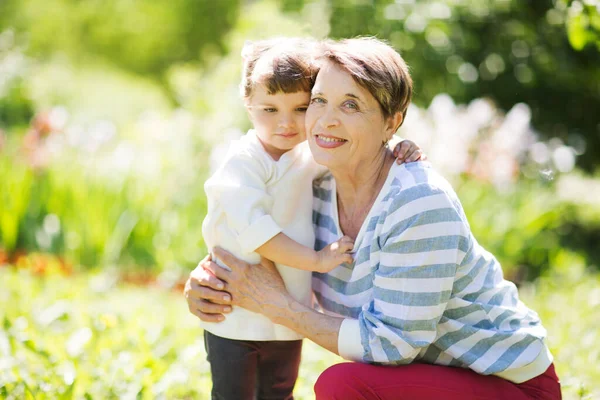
(320, 328)
(280, 307)
(289, 312)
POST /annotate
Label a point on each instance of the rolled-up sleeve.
(423, 240)
(239, 188)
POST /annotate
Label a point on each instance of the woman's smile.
(329, 142)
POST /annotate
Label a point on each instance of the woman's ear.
(392, 124)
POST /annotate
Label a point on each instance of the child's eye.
(317, 100)
(270, 110)
(301, 109)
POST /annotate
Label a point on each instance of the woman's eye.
(317, 100)
(350, 105)
(270, 109)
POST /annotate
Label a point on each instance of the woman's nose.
(329, 118)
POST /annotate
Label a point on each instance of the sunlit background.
(113, 112)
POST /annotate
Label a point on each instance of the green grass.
(90, 337)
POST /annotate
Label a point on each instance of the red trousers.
(354, 381)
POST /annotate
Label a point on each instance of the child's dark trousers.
(249, 370)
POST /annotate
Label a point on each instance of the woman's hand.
(205, 294)
(257, 288)
(407, 151)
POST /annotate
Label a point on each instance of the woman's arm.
(261, 289)
(205, 295)
(420, 254)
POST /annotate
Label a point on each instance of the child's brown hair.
(281, 65)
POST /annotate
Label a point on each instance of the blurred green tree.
(16, 108)
(544, 53)
(143, 36)
(583, 23)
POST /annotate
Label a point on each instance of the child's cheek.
(302, 125)
(301, 129)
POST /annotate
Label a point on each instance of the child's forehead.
(261, 94)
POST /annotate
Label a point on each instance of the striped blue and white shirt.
(421, 288)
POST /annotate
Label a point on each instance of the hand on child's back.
(335, 254)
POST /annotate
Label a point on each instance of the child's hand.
(335, 254)
(407, 151)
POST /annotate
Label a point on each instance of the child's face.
(278, 119)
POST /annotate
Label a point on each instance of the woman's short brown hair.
(375, 66)
(281, 65)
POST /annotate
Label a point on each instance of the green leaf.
(28, 392)
(30, 345)
(68, 394)
(576, 29)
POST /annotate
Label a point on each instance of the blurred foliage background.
(112, 114)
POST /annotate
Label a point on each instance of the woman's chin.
(323, 156)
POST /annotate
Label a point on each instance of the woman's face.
(344, 122)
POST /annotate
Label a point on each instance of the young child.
(260, 204)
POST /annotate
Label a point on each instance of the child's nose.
(286, 121)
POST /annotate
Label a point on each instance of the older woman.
(423, 308)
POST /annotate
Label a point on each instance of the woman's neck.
(357, 190)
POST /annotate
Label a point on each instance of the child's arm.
(239, 203)
(407, 151)
(283, 250)
(238, 186)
